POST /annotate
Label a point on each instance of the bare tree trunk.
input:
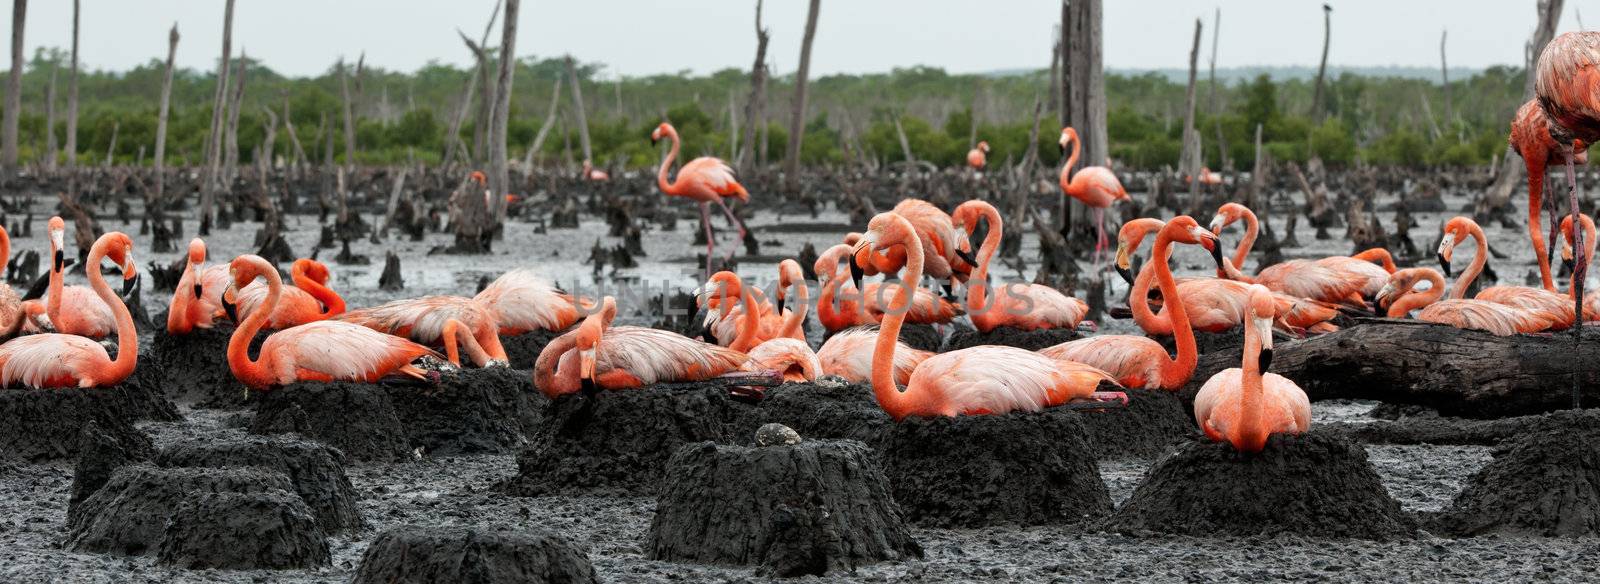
(1444, 76)
(733, 126)
(112, 149)
(50, 144)
(905, 145)
(1257, 178)
(753, 115)
(153, 204)
(577, 110)
(208, 186)
(1055, 75)
(1511, 173)
(1322, 69)
(486, 98)
(1211, 98)
(549, 122)
(797, 123)
(452, 136)
(499, 176)
(72, 94)
(230, 164)
(13, 113)
(349, 115)
(300, 159)
(1189, 163)
(1097, 143)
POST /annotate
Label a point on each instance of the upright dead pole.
(577, 110)
(1257, 179)
(1444, 77)
(13, 113)
(549, 123)
(230, 144)
(753, 114)
(1055, 72)
(1211, 97)
(797, 122)
(1322, 69)
(349, 116)
(1189, 163)
(153, 204)
(208, 180)
(50, 145)
(500, 176)
(1097, 142)
(72, 96)
(299, 160)
(1068, 113)
(480, 129)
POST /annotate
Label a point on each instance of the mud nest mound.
(1152, 423)
(47, 424)
(1011, 337)
(316, 471)
(1315, 484)
(470, 411)
(421, 555)
(922, 337)
(357, 418)
(829, 409)
(192, 369)
(272, 530)
(808, 508)
(522, 350)
(1019, 468)
(619, 441)
(99, 455)
(1206, 343)
(129, 514)
(1544, 482)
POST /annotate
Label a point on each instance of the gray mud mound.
(100, 455)
(1207, 343)
(826, 409)
(316, 471)
(1315, 484)
(923, 337)
(1011, 337)
(128, 514)
(522, 350)
(140, 397)
(619, 441)
(48, 424)
(1019, 468)
(271, 530)
(810, 508)
(1544, 482)
(424, 555)
(1153, 422)
(192, 369)
(470, 411)
(357, 418)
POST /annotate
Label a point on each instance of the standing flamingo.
(1094, 186)
(520, 301)
(592, 174)
(11, 315)
(1346, 280)
(453, 321)
(1022, 306)
(1530, 138)
(309, 300)
(597, 355)
(704, 179)
(1245, 405)
(64, 360)
(1136, 360)
(323, 350)
(977, 380)
(1553, 306)
(978, 156)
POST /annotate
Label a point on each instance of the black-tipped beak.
(230, 308)
(855, 272)
(779, 304)
(1127, 274)
(60, 260)
(1444, 264)
(1265, 360)
(966, 256)
(198, 291)
(949, 292)
(1216, 253)
(1062, 147)
(653, 140)
(129, 285)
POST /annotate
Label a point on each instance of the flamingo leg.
(737, 222)
(705, 220)
(1100, 231)
(1580, 269)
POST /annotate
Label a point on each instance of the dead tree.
(300, 159)
(499, 171)
(208, 180)
(1211, 97)
(50, 145)
(1322, 69)
(349, 113)
(1511, 172)
(156, 200)
(480, 129)
(72, 95)
(577, 110)
(13, 112)
(1083, 85)
(230, 163)
(112, 149)
(1189, 163)
(753, 109)
(453, 139)
(797, 122)
(544, 129)
(1444, 77)
(1055, 73)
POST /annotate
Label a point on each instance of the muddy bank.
(192, 369)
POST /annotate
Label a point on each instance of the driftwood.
(1458, 372)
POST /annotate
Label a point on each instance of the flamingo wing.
(791, 357)
(420, 319)
(656, 356)
(1497, 319)
(1134, 360)
(341, 350)
(51, 360)
(714, 176)
(521, 301)
(848, 354)
(996, 380)
(1104, 183)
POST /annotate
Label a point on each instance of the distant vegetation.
(405, 116)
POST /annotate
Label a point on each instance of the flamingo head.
(196, 259)
(662, 131)
(1129, 237)
(477, 176)
(886, 230)
(983, 146)
(827, 265)
(1401, 282)
(1569, 236)
(1455, 231)
(1263, 308)
(1227, 215)
(310, 268)
(588, 340)
(119, 249)
(716, 292)
(1067, 136)
(789, 275)
(1184, 229)
(58, 243)
(241, 272)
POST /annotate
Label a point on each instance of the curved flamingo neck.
(666, 164)
(1413, 300)
(178, 314)
(5, 250)
(991, 245)
(1072, 161)
(1252, 228)
(1476, 268)
(53, 305)
(1139, 298)
(254, 373)
(1535, 210)
(750, 325)
(894, 402)
(1252, 435)
(1174, 372)
(1229, 271)
(794, 324)
(333, 304)
(1380, 256)
(127, 335)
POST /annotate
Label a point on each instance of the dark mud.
(316, 471)
(272, 530)
(1436, 429)
(809, 508)
(45, 424)
(100, 455)
(129, 514)
(1153, 422)
(359, 419)
(1544, 482)
(1010, 337)
(419, 555)
(193, 370)
(1310, 485)
(470, 411)
(828, 409)
(619, 441)
(523, 350)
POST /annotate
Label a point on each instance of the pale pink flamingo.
(978, 156)
(1136, 360)
(323, 350)
(1094, 186)
(848, 355)
(458, 323)
(520, 301)
(187, 311)
(590, 173)
(74, 310)
(596, 355)
(52, 360)
(1401, 297)
(1023, 306)
(1243, 406)
(706, 180)
(1346, 280)
(1209, 178)
(973, 381)
(784, 350)
(839, 308)
(1530, 138)
(1555, 307)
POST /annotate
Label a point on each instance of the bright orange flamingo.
(783, 350)
(726, 320)
(978, 156)
(324, 350)
(188, 311)
(1022, 306)
(455, 322)
(942, 246)
(74, 310)
(520, 301)
(11, 315)
(65, 360)
(977, 380)
(1401, 297)
(1555, 307)
(1530, 138)
(1346, 280)
(839, 308)
(309, 300)
(597, 355)
(1245, 405)
(1094, 186)
(706, 180)
(1136, 360)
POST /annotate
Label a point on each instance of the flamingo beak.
(1444, 263)
(60, 260)
(779, 303)
(1265, 359)
(228, 305)
(1124, 263)
(966, 256)
(856, 273)
(1264, 331)
(586, 370)
(1217, 223)
(1213, 245)
(198, 292)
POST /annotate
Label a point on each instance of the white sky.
(638, 37)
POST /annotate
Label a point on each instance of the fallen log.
(1458, 372)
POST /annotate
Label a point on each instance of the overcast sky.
(641, 37)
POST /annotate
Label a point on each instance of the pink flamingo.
(597, 355)
(1530, 138)
(309, 300)
(1591, 301)
(453, 321)
(783, 350)
(839, 308)
(11, 315)
(704, 179)
(1021, 306)
(1346, 280)
(187, 311)
(978, 156)
(1553, 306)
(323, 350)
(942, 246)
(53, 360)
(974, 381)
(1400, 296)
(1245, 405)
(590, 173)
(520, 301)
(1094, 186)
(726, 320)
(74, 310)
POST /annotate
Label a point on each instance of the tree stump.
(391, 280)
(422, 555)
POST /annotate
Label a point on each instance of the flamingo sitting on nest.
(1345, 280)
(520, 302)
(784, 349)
(64, 360)
(73, 310)
(1244, 405)
(11, 315)
(453, 321)
(1550, 305)
(1023, 306)
(839, 308)
(1401, 297)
